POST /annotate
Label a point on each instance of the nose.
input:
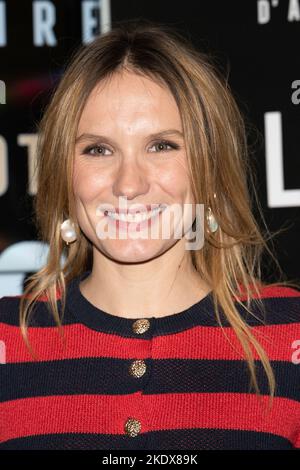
(131, 180)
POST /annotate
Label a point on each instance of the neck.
(162, 286)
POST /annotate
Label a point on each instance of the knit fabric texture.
(173, 382)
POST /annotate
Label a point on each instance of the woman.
(164, 346)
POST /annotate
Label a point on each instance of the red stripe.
(273, 291)
(211, 343)
(107, 414)
(279, 341)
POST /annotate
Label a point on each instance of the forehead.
(129, 99)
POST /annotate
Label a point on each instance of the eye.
(99, 150)
(162, 144)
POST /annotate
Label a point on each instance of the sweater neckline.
(84, 312)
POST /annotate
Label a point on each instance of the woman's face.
(123, 150)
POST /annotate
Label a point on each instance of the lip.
(141, 209)
(135, 226)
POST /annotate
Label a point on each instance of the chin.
(133, 251)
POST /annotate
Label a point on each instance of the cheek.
(175, 180)
(87, 183)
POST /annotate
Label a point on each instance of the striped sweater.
(172, 382)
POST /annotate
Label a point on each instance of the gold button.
(132, 427)
(140, 326)
(137, 368)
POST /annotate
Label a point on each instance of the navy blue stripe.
(41, 316)
(185, 439)
(278, 311)
(111, 376)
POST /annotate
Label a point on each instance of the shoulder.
(280, 291)
(10, 312)
(9, 321)
(280, 304)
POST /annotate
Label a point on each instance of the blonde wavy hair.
(218, 158)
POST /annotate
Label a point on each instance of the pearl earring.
(67, 230)
(211, 220)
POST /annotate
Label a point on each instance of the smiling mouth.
(137, 217)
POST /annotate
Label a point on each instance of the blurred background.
(253, 43)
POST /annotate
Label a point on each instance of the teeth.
(133, 217)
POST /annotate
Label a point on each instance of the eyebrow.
(91, 137)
